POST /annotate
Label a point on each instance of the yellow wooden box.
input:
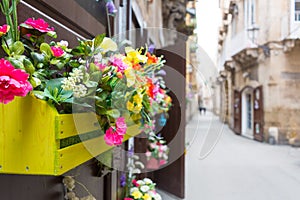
(31, 132)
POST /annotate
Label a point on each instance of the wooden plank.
(77, 154)
(28, 138)
(73, 124)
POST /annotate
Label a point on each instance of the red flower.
(112, 137)
(134, 182)
(13, 82)
(4, 29)
(57, 51)
(39, 24)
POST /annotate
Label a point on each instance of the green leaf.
(34, 81)
(28, 66)
(17, 48)
(5, 48)
(39, 94)
(38, 58)
(52, 34)
(46, 49)
(91, 84)
(98, 40)
(113, 113)
(16, 63)
(54, 61)
(60, 65)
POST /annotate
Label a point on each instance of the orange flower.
(152, 59)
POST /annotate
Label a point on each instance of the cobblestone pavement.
(238, 168)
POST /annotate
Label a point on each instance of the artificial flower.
(147, 197)
(130, 76)
(148, 181)
(137, 194)
(118, 62)
(57, 51)
(13, 82)
(4, 29)
(108, 45)
(134, 182)
(134, 57)
(121, 126)
(111, 8)
(152, 59)
(151, 48)
(112, 138)
(39, 24)
(145, 188)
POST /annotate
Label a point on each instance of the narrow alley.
(238, 167)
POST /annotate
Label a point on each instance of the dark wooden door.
(258, 114)
(171, 178)
(237, 115)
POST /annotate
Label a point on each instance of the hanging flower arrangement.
(121, 87)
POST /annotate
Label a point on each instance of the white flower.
(133, 189)
(136, 171)
(140, 182)
(145, 188)
(63, 43)
(148, 181)
(165, 156)
(77, 74)
(157, 197)
(68, 83)
(79, 90)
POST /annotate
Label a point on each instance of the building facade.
(259, 69)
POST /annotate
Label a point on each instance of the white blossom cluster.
(74, 83)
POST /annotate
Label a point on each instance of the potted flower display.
(44, 86)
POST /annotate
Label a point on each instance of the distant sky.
(208, 22)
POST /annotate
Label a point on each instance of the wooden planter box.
(33, 133)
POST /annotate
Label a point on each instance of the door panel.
(237, 106)
(258, 118)
(174, 130)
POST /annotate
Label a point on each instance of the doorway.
(247, 113)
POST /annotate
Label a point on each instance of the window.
(297, 10)
(250, 10)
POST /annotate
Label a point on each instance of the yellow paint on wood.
(30, 133)
(72, 124)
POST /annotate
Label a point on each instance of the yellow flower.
(136, 194)
(108, 45)
(134, 56)
(147, 197)
(138, 98)
(130, 106)
(130, 76)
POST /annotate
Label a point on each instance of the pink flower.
(121, 126)
(148, 153)
(100, 66)
(39, 24)
(162, 162)
(127, 198)
(4, 29)
(118, 62)
(57, 51)
(113, 138)
(13, 82)
(134, 182)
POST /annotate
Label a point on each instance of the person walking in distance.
(201, 105)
